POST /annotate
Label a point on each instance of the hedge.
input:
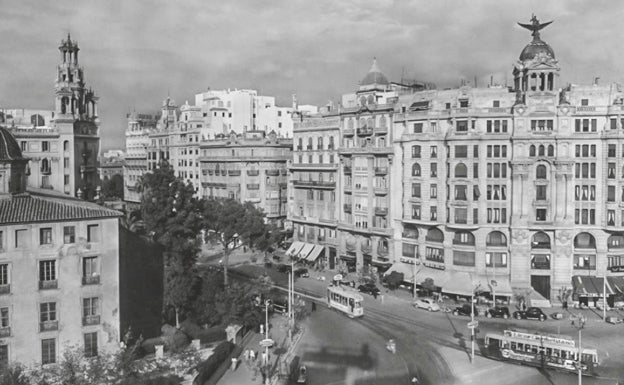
(207, 368)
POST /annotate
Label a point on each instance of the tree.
(133, 221)
(172, 218)
(13, 375)
(233, 224)
(113, 188)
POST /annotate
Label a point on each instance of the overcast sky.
(136, 52)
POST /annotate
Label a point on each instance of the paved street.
(436, 346)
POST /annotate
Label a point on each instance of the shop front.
(590, 291)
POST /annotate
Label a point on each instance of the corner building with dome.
(505, 190)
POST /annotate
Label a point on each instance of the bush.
(164, 380)
(207, 368)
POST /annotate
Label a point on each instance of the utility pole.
(580, 325)
(604, 298)
(266, 347)
(472, 309)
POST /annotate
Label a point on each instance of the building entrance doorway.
(541, 284)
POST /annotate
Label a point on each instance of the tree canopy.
(113, 188)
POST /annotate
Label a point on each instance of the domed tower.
(12, 165)
(76, 119)
(374, 80)
(537, 69)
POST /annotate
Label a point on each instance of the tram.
(541, 350)
(346, 301)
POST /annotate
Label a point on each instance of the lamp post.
(604, 298)
(580, 325)
(266, 346)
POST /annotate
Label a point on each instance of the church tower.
(76, 119)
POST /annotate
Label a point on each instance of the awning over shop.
(305, 250)
(501, 285)
(616, 283)
(588, 286)
(439, 277)
(459, 282)
(294, 248)
(406, 269)
(314, 254)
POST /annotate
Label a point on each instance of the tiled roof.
(26, 208)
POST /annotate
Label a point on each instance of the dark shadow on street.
(461, 341)
(342, 357)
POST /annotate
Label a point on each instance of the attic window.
(584, 102)
(463, 103)
(419, 106)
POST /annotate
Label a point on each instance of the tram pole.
(580, 325)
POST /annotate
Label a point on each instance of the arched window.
(551, 150)
(363, 100)
(584, 241)
(320, 143)
(66, 145)
(541, 150)
(540, 241)
(415, 169)
(496, 238)
(615, 242)
(382, 122)
(45, 166)
(434, 235)
(461, 171)
(309, 143)
(371, 99)
(540, 172)
(532, 150)
(370, 123)
(300, 147)
(463, 238)
(351, 123)
(37, 120)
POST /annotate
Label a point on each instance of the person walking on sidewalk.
(313, 306)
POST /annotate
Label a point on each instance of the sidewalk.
(247, 371)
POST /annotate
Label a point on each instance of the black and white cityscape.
(322, 193)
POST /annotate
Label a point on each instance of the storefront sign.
(434, 265)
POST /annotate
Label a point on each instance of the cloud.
(136, 52)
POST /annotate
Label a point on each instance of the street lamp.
(266, 345)
(473, 325)
(580, 324)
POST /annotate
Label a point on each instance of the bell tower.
(76, 119)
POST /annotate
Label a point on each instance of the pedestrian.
(382, 298)
(246, 355)
(261, 328)
(313, 306)
(565, 305)
(375, 294)
(252, 355)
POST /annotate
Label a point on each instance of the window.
(461, 151)
(497, 170)
(433, 211)
(418, 128)
(47, 274)
(610, 217)
(90, 310)
(416, 190)
(90, 344)
(48, 351)
(584, 261)
(1, 240)
(24, 145)
(69, 234)
(585, 125)
(540, 172)
(45, 146)
(610, 193)
(434, 254)
(434, 170)
(90, 271)
(434, 151)
(93, 233)
(21, 238)
(415, 211)
(496, 239)
(4, 356)
(542, 125)
(584, 102)
(611, 151)
(4, 317)
(461, 215)
(463, 103)
(45, 236)
(47, 312)
(463, 258)
(611, 170)
(540, 193)
(540, 214)
(497, 215)
(415, 151)
(461, 171)
(460, 192)
(433, 191)
(4, 276)
(462, 126)
(540, 261)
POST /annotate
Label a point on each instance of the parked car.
(465, 309)
(427, 303)
(369, 288)
(498, 311)
(531, 313)
(301, 272)
(302, 377)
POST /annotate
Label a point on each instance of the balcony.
(299, 148)
(272, 172)
(366, 249)
(5, 289)
(381, 130)
(253, 172)
(47, 285)
(381, 190)
(234, 172)
(253, 186)
(314, 183)
(91, 320)
(381, 252)
(91, 280)
(381, 170)
(347, 208)
(309, 147)
(210, 172)
(381, 211)
(348, 132)
(46, 186)
(5, 332)
(48, 326)
(46, 171)
(364, 131)
(347, 169)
